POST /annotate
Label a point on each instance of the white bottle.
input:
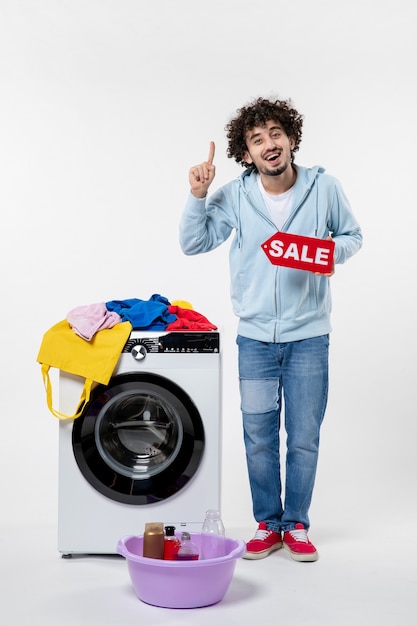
(212, 536)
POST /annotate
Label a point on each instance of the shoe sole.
(254, 556)
(300, 557)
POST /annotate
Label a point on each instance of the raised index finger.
(211, 153)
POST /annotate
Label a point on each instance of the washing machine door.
(140, 439)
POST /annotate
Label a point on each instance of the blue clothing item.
(299, 371)
(273, 303)
(152, 314)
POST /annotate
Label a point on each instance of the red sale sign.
(298, 252)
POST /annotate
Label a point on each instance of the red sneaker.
(298, 544)
(264, 542)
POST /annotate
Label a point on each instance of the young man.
(284, 313)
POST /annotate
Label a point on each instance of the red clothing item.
(188, 319)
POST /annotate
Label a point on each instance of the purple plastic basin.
(180, 584)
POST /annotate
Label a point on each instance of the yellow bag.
(93, 360)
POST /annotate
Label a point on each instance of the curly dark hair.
(258, 113)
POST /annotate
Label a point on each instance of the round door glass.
(139, 433)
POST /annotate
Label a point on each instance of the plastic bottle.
(153, 540)
(188, 550)
(171, 543)
(212, 536)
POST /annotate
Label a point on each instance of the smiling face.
(269, 149)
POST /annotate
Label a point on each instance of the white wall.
(105, 105)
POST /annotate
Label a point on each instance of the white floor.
(360, 581)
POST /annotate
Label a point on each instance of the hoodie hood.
(306, 179)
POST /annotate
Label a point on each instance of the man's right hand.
(201, 176)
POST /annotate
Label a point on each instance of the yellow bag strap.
(85, 395)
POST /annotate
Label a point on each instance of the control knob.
(139, 352)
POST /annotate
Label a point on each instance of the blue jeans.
(298, 372)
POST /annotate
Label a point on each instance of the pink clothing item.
(88, 319)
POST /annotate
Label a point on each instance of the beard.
(274, 172)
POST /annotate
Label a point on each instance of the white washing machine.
(147, 446)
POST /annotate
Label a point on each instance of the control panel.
(174, 342)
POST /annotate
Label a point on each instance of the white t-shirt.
(278, 205)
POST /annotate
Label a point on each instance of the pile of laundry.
(155, 314)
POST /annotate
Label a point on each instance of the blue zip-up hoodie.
(273, 303)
